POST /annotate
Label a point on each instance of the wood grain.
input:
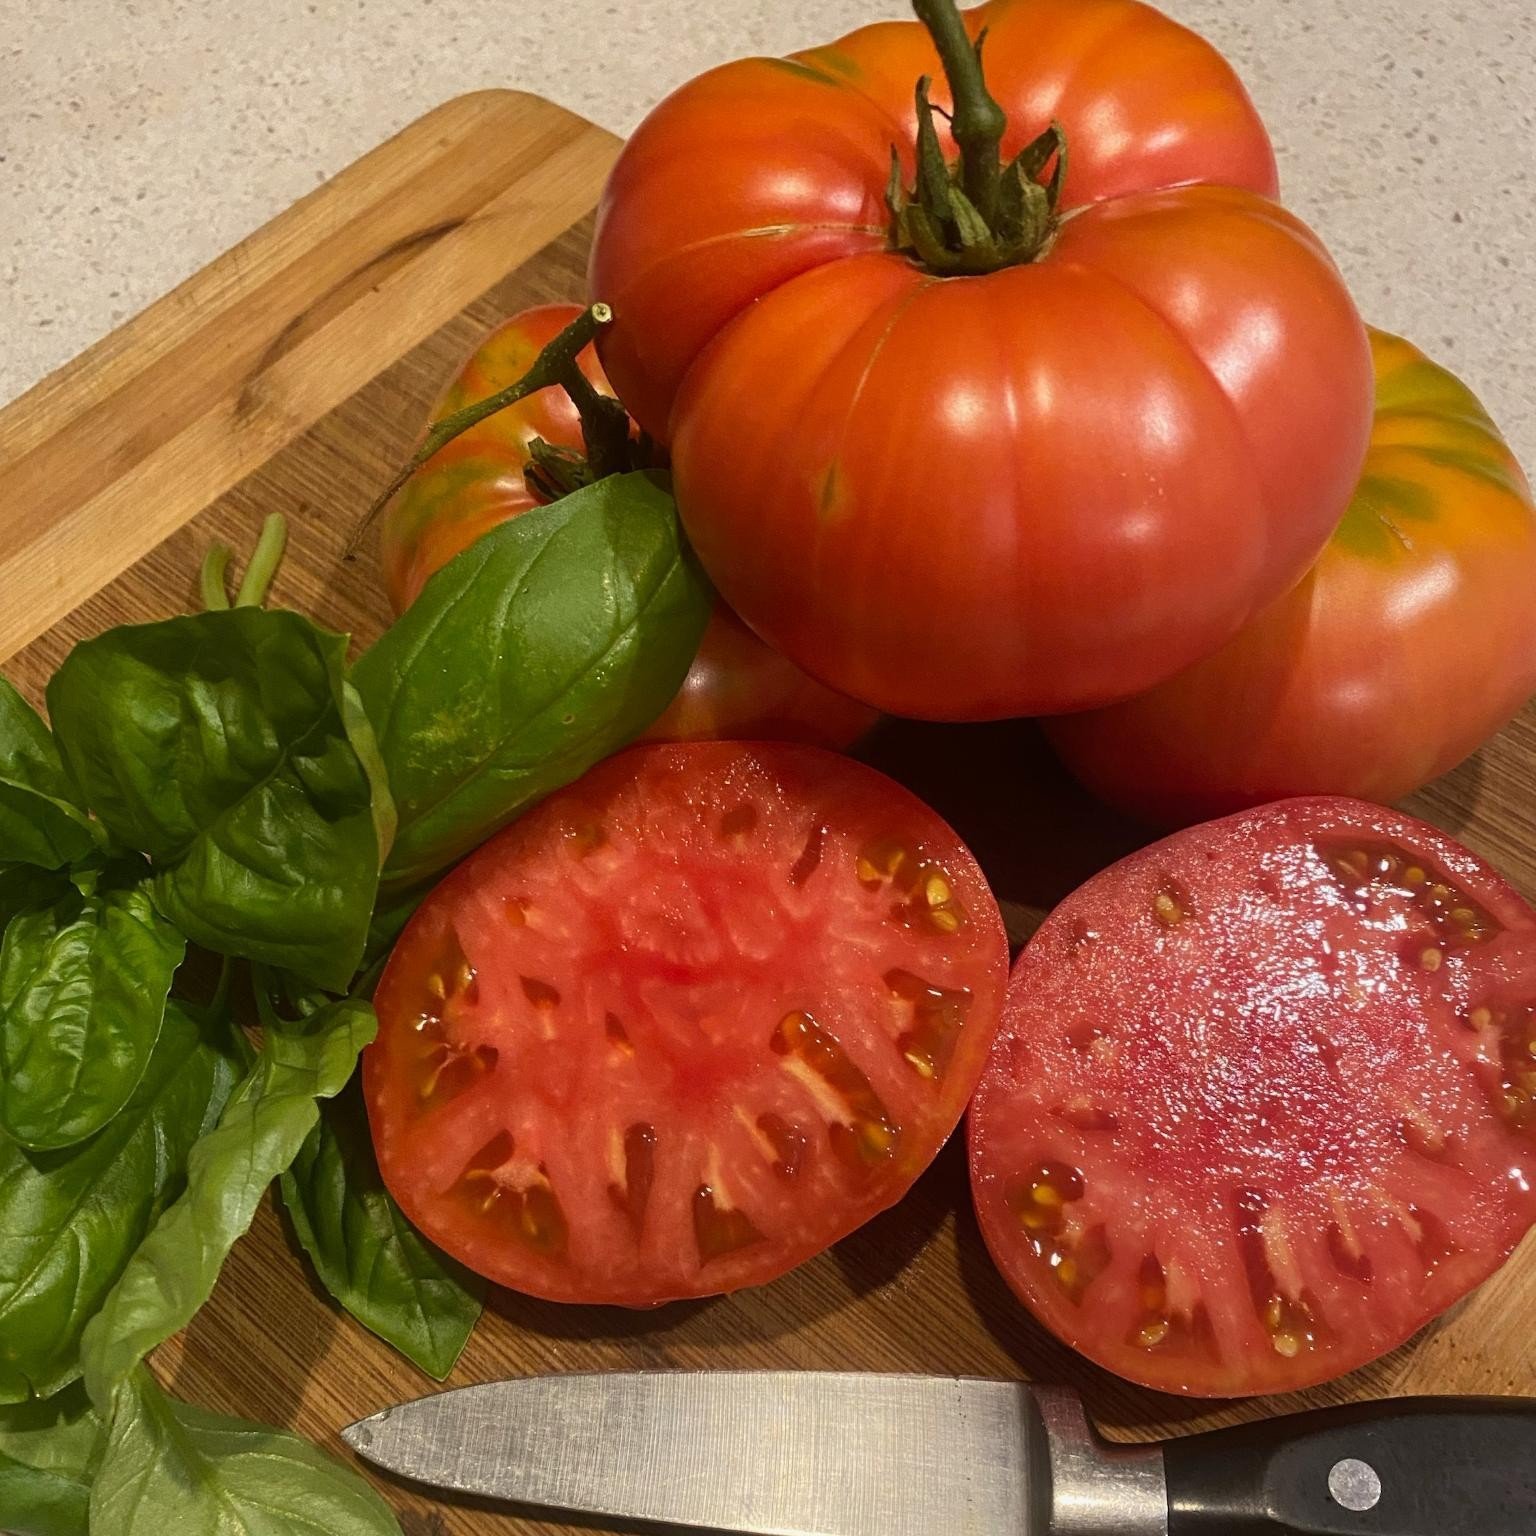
(253, 390)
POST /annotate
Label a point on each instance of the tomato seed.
(543, 996)
(451, 1070)
(738, 821)
(1347, 1256)
(584, 838)
(788, 1142)
(812, 1048)
(634, 1194)
(810, 857)
(1382, 874)
(617, 1035)
(720, 1229)
(938, 1016)
(881, 862)
(1166, 910)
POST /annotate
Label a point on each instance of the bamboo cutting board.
(292, 376)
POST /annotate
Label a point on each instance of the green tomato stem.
(265, 559)
(556, 364)
(978, 122)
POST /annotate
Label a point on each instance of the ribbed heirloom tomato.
(738, 687)
(1408, 644)
(687, 1022)
(961, 444)
(1263, 1102)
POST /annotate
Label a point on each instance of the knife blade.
(786, 1453)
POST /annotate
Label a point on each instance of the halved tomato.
(1264, 1100)
(685, 1024)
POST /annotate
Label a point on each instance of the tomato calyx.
(979, 215)
(604, 422)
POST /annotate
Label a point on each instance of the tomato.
(685, 1024)
(476, 480)
(1039, 488)
(1263, 1101)
(738, 686)
(1408, 644)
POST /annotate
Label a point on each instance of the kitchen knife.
(790, 1453)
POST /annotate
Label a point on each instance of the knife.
(794, 1453)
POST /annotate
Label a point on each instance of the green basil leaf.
(40, 821)
(48, 1456)
(170, 1469)
(69, 1221)
(83, 985)
(219, 745)
(264, 1124)
(544, 647)
(367, 1255)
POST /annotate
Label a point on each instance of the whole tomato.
(1408, 644)
(738, 688)
(1029, 454)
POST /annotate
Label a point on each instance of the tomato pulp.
(737, 688)
(685, 1024)
(1023, 491)
(1408, 644)
(1263, 1102)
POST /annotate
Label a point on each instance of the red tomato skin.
(1246, 1081)
(705, 1062)
(738, 687)
(920, 514)
(1409, 643)
(985, 532)
(765, 168)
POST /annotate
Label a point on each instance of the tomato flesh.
(688, 1022)
(1262, 1104)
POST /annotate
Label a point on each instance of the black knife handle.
(1417, 1466)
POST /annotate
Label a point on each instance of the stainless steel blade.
(779, 1453)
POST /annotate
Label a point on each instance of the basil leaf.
(48, 1456)
(83, 985)
(219, 745)
(544, 647)
(367, 1255)
(69, 1221)
(170, 1469)
(260, 1132)
(40, 822)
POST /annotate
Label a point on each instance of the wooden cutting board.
(292, 376)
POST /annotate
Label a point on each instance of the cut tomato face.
(685, 1024)
(1264, 1099)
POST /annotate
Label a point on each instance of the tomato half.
(685, 1024)
(1263, 1102)
(968, 497)
(1408, 644)
(737, 688)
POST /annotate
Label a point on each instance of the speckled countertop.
(139, 138)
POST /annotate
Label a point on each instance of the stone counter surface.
(140, 138)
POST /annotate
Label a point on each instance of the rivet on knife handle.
(1427, 1466)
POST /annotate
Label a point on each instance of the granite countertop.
(139, 138)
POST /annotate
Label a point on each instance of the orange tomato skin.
(737, 688)
(1047, 488)
(1408, 644)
